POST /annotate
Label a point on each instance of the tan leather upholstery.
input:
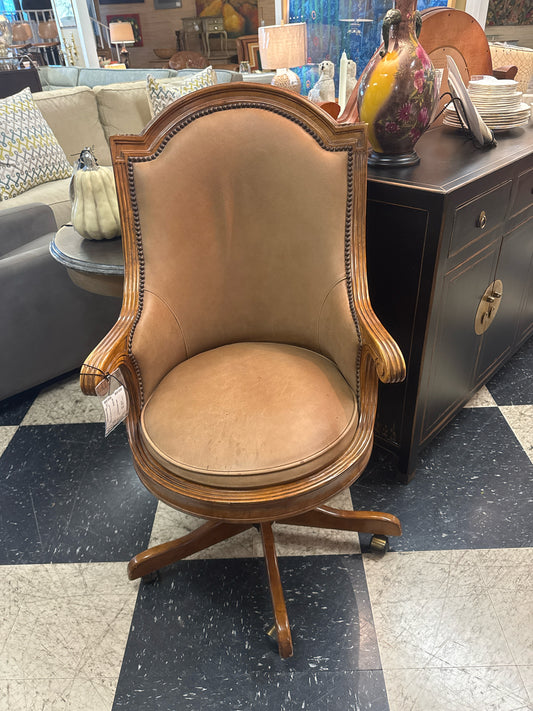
(250, 414)
(256, 242)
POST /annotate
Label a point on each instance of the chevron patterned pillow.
(161, 95)
(29, 151)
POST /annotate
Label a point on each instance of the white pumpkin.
(95, 212)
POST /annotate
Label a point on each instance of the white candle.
(342, 81)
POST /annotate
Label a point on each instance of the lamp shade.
(283, 46)
(121, 32)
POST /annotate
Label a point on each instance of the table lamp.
(281, 47)
(122, 33)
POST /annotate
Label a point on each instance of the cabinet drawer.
(475, 218)
(213, 24)
(524, 193)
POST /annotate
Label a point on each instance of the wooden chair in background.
(187, 59)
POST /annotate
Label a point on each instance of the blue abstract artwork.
(334, 26)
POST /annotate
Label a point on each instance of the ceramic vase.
(398, 91)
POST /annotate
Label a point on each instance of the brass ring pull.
(488, 307)
(482, 220)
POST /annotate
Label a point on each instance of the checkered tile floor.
(443, 622)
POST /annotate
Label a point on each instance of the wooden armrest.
(110, 354)
(387, 356)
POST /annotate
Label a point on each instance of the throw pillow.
(29, 151)
(160, 95)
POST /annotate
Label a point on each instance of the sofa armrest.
(23, 224)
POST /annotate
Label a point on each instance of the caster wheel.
(272, 633)
(379, 544)
(151, 578)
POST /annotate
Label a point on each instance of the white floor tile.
(6, 435)
(170, 524)
(526, 673)
(62, 622)
(482, 399)
(520, 419)
(290, 540)
(57, 694)
(456, 689)
(64, 403)
(432, 609)
(303, 540)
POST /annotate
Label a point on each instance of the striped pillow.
(29, 151)
(161, 95)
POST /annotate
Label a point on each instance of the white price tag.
(115, 409)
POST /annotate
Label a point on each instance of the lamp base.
(287, 79)
(125, 57)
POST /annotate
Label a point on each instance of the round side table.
(94, 265)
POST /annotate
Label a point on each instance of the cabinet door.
(514, 317)
(455, 347)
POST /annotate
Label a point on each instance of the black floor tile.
(13, 409)
(472, 488)
(315, 691)
(513, 384)
(205, 619)
(68, 495)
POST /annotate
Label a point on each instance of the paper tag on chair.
(114, 397)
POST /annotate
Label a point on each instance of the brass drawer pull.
(488, 307)
(482, 220)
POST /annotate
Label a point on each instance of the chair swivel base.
(146, 563)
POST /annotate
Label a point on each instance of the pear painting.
(240, 16)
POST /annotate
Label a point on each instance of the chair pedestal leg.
(361, 521)
(206, 535)
(278, 601)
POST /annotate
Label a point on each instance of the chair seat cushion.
(249, 415)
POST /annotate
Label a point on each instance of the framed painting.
(240, 16)
(248, 49)
(134, 21)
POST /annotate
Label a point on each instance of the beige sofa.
(82, 116)
(49, 325)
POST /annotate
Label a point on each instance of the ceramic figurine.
(398, 91)
(351, 81)
(324, 89)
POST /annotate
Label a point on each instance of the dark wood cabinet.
(444, 237)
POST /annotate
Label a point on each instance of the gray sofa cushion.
(36, 220)
(224, 76)
(99, 77)
(52, 76)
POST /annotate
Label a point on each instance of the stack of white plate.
(498, 102)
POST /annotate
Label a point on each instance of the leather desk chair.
(246, 337)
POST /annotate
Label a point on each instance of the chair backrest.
(239, 206)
